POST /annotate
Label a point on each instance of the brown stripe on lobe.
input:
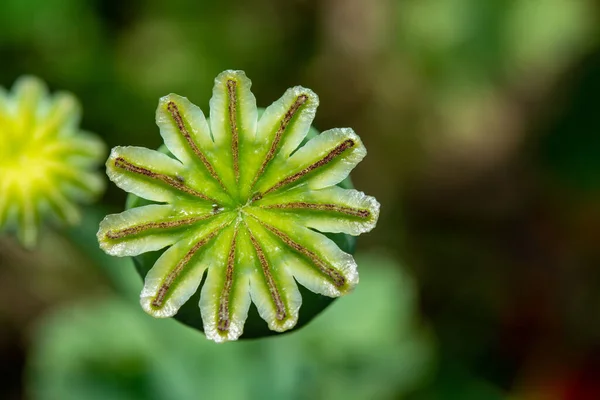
(175, 114)
(279, 305)
(134, 230)
(172, 276)
(337, 278)
(355, 212)
(224, 321)
(231, 90)
(339, 149)
(279, 134)
(176, 183)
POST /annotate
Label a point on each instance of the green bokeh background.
(481, 119)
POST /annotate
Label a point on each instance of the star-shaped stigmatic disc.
(239, 199)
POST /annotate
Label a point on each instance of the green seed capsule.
(237, 200)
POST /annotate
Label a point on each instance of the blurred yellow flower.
(47, 165)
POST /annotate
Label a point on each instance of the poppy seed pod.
(240, 198)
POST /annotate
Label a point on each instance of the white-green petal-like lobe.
(300, 105)
(161, 269)
(176, 275)
(281, 128)
(314, 259)
(340, 166)
(170, 108)
(324, 161)
(225, 297)
(233, 117)
(138, 184)
(272, 287)
(331, 209)
(147, 228)
(187, 136)
(245, 107)
(246, 112)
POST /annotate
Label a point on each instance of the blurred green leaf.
(368, 345)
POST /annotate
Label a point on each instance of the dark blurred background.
(482, 123)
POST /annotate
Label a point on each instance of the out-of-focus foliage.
(465, 43)
(368, 345)
(47, 164)
(470, 58)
